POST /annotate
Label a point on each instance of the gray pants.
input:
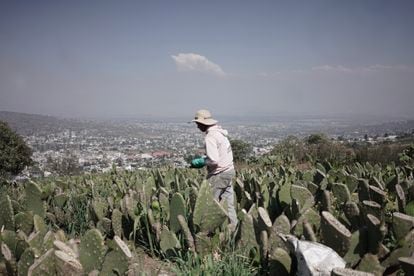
(223, 190)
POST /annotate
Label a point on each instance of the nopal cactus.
(401, 224)
(341, 192)
(6, 213)
(26, 260)
(177, 207)
(358, 247)
(335, 234)
(61, 246)
(303, 196)
(10, 259)
(376, 234)
(349, 272)
(116, 221)
(169, 241)
(279, 262)
(370, 263)
(24, 222)
(45, 265)
(208, 213)
(92, 250)
(33, 199)
(247, 239)
(280, 226)
(356, 197)
(187, 233)
(407, 265)
(67, 264)
(117, 260)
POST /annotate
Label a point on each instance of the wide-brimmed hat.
(203, 116)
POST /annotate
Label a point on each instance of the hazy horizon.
(111, 59)
(354, 119)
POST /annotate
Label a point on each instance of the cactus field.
(92, 224)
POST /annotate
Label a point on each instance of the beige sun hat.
(203, 116)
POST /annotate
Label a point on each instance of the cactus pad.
(409, 208)
(335, 234)
(115, 263)
(92, 250)
(61, 246)
(401, 224)
(33, 199)
(187, 233)
(177, 207)
(6, 213)
(373, 208)
(24, 222)
(45, 265)
(357, 249)
(349, 272)
(377, 195)
(67, 264)
(407, 265)
(99, 209)
(247, 233)
(122, 247)
(376, 233)
(203, 243)
(279, 262)
(310, 216)
(117, 222)
(370, 263)
(264, 220)
(341, 192)
(208, 213)
(352, 213)
(168, 240)
(280, 226)
(303, 196)
(26, 260)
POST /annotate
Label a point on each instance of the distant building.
(160, 154)
(146, 156)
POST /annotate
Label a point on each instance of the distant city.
(98, 145)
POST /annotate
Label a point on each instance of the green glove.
(198, 162)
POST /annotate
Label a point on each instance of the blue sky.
(170, 58)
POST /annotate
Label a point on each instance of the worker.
(218, 160)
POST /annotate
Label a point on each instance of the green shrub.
(15, 155)
(224, 263)
(319, 148)
(383, 153)
(241, 150)
(314, 148)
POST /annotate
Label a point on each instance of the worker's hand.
(198, 162)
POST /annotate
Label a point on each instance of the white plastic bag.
(314, 259)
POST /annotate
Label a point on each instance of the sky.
(237, 58)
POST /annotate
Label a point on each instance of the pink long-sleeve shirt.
(218, 150)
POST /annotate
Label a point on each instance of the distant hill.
(34, 124)
(29, 124)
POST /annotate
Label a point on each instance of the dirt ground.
(152, 266)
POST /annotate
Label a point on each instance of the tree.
(291, 148)
(316, 138)
(64, 165)
(241, 150)
(15, 155)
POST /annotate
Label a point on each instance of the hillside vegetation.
(95, 223)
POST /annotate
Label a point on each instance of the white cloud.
(381, 67)
(198, 63)
(332, 68)
(340, 69)
(366, 69)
